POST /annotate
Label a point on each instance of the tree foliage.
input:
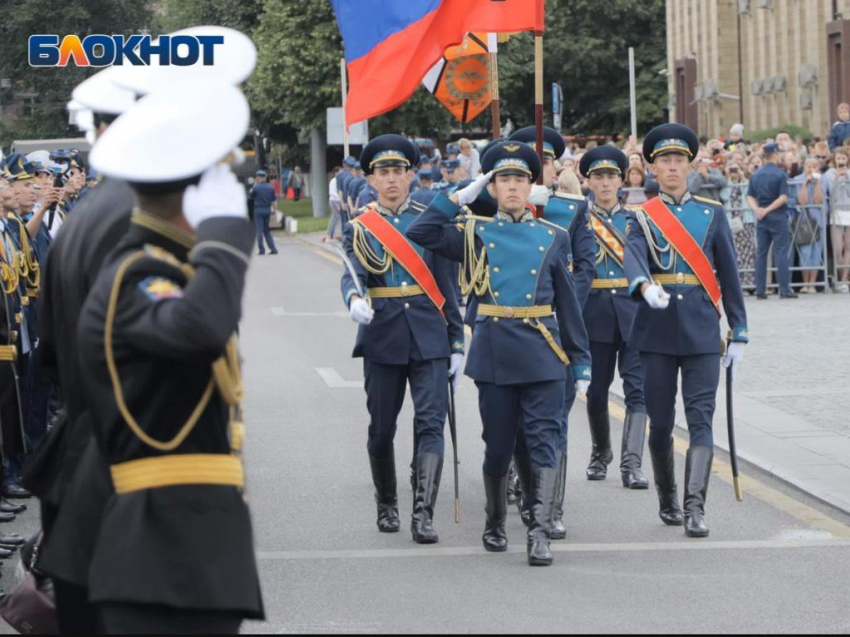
(299, 48)
(52, 86)
(586, 51)
(242, 15)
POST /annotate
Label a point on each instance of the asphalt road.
(778, 562)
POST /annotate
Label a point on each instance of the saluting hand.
(470, 193)
(218, 194)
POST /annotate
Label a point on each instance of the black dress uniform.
(409, 340)
(152, 334)
(11, 319)
(686, 335)
(528, 330)
(68, 472)
(608, 315)
(570, 213)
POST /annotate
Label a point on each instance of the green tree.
(586, 51)
(242, 15)
(50, 88)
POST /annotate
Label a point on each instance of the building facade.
(764, 63)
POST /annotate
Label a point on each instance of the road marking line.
(722, 470)
(334, 379)
(690, 545)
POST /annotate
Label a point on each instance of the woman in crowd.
(808, 223)
(635, 178)
(742, 221)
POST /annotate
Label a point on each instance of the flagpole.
(495, 105)
(344, 77)
(538, 102)
(632, 92)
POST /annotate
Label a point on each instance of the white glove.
(539, 195)
(582, 386)
(219, 194)
(471, 192)
(360, 312)
(734, 355)
(656, 297)
(455, 369)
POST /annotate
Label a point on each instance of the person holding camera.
(704, 180)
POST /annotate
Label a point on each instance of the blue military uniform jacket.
(689, 325)
(570, 213)
(527, 265)
(609, 312)
(406, 327)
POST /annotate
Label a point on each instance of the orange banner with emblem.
(461, 80)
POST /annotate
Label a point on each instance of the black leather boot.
(601, 456)
(429, 468)
(697, 475)
(523, 469)
(543, 483)
(664, 469)
(631, 457)
(495, 539)
(513, 485)
(558, 530)
(383, 477)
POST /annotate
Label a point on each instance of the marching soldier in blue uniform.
(410, 332)
(528, 337)
(678, 242)
(608, 315)
(570, 213)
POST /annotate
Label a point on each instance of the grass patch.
(303, 211)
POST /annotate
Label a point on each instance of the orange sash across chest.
(685, 245)
(397, 245)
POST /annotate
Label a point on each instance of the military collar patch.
(671, 200)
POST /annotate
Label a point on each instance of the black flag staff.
(453, 433)
(730, 424)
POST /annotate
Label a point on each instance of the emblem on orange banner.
(461, 79)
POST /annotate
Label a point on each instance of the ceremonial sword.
(348, 266)
(730, 424)
(453, 433)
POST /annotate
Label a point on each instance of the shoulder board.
(706, 200)
(553, 226)
(418, 206)
(566, 195)
(366, 208)
(161, 254)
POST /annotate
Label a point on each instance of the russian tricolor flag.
(390, 45)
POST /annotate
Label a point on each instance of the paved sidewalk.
(792, 400)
